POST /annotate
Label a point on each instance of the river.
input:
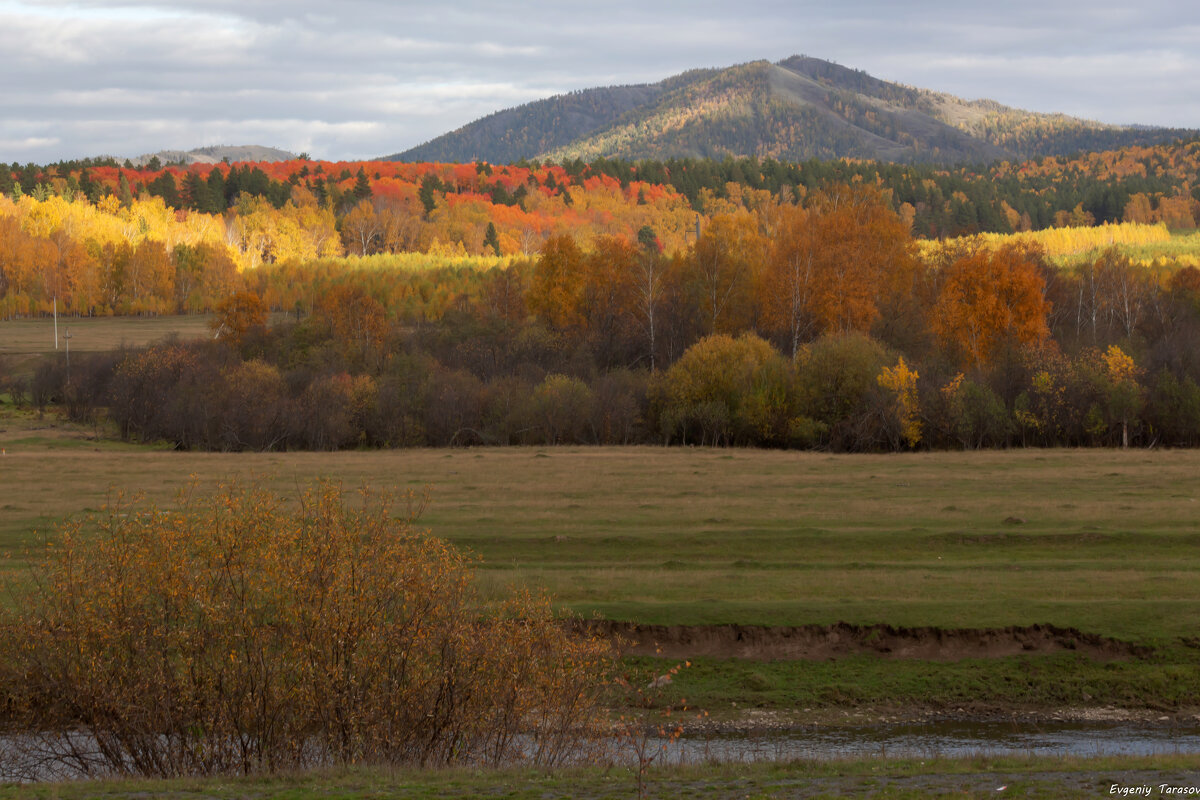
(941, 739)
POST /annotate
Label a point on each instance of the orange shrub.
(240, 635)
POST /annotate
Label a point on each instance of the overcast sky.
(355, 79)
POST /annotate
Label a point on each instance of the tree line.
(478, 208)
(810, 325)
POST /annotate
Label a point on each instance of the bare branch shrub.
(241, 635)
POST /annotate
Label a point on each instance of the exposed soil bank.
(821, 642)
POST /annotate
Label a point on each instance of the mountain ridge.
(795, 109)
(216, 154)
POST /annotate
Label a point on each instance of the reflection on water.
(925, 740)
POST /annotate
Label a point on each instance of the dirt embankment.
(822, 642)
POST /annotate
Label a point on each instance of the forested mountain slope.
(797, 109)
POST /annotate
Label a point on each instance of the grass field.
(1056, 778)
(1101, 540)
(91, 334)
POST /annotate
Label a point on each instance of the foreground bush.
(239, 634)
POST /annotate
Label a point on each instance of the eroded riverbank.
(818, 642)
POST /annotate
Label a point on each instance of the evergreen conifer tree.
(491, 239)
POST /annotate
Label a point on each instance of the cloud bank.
(364, 78)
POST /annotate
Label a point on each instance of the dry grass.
(93, 334)
(1109, 542)
(35, 335)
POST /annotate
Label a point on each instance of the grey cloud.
(365, 78)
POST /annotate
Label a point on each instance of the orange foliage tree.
(556, 290)
(358, 320)
(608, 288)
(833, 264)
(988, 300)
(237, 315)
(723, 268)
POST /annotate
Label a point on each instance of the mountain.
(216, 154)
(537, 127)
(796, 109)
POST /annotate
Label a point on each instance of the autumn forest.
(841, 305)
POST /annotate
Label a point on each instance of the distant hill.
(796, 109)
(216, 154)
(537, 127)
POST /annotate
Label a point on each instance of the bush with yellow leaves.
(243, 634)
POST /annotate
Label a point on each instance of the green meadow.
(1106, 541)
(1044, 778)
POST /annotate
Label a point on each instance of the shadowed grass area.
(93, 334)
(1101, 540)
